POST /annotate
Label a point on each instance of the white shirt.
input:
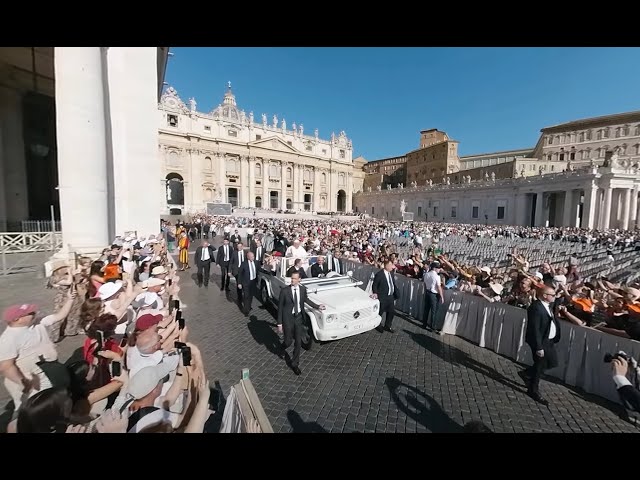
(205, 253)
(240, 257)
(298, 252)
(226, 252)
(258, 251)
(431, 281)
(295, 292)
(389, 282)
(252, 271)
(552, 329)
(336, 265)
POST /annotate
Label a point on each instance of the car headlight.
(330, 318)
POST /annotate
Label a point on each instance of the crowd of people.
(136, 371)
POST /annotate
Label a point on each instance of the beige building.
(385, 171)
(229, 156)
(436, 158)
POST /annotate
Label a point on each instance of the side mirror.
(349, 273)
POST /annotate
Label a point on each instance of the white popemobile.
(349, 309)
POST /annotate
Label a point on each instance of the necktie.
(337, 262)
(252, 275)
(295, 301)
(203, 253)
(390, 283)
(240, 259)
(259, 250)
(226, 253)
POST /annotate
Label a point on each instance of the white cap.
(145, 380)
(153, 282)
(109, 289)
(146, 299)
(159, 270)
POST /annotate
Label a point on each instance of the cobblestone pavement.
(409, 381)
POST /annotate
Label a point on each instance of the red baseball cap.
(14, 312)
(148, 320)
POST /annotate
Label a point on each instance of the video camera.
(608, 357)
(185, 351)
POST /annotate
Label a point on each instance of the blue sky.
(488, 99)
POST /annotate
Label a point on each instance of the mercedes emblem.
(356, 315)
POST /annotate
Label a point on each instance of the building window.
(258, 137)
(572, 156)
(324, 178)
(599, 135)
(562, 138)
(342, 153)
(605, 133)
(258, 202)
(289, 174)
(435, 211)
(290, 144)
(562, 157)
(373, 211)
(475, 211)
(273, 170)
(341, 179)
(307, 175)
(581, 137)
(601, 152)
(172, 120)
(454, 211)
(549, 157)
(585, 154)
(623, 149)
(419, 212)
(553, 167)
(232, 133)
(588, 136)
(258, 170)
(637, 148)
(500, 213)
(324, 151)
(617, 132)
(207, 128)
(625, 131)
(637, 130)
(550, 140)
(207, 163)
(309, 148)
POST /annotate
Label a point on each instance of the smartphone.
(100, 343)
(180, 320)
(185, 351)
(116, 369)
(170, 304)
(176, 304)
(169, 281)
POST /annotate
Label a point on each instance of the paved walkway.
(410, 381)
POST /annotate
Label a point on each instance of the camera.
(185, 351)
(608, 357)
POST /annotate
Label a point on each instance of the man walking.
(258, 251)
(384, 289)
(203, 258)
(237, 259)
(543, 332)
(223, 259)
(291, 318)
(433, 296)
(248, 281)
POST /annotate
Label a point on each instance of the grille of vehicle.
(349, 316)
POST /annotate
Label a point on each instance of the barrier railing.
(23, 242)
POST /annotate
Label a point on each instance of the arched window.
(232, 165)
(289, 204)
(324, 178)
(258, 170)
(307, 175)
(175, 189)
(273, 170)
(581, 137)
(289, 174)
(258, 202)
(207, 163)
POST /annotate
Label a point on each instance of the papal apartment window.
(207, 128)
(342, 153)
(605, 133)
(172, 120)
(258, 137)
(625, 131)
(562, 157)
(549, 157)
(572, 156)
(232, 133)
(599, 135)
(581, 136)
(550, 141)
(500, 213)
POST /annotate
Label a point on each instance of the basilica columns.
(82, 148)
(296, 185)
(283, 185)
(626, 208)
(221, 167)
(317, 188)
(590, 206)
(634, 208)
(606, 208)
(243, 188)
(540, 220)
(252, 182)
(266, 201)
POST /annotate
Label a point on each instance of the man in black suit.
(237, 259)
(223, 259)
(258, 250)
(629, 395)
(336, 264)
(291, 318)
(203, 258)
(248, 281)
(297, 267)
(236, 238)
(319, 268)
(384, 289)
(543, 332)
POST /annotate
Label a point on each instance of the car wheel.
(264, 294)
